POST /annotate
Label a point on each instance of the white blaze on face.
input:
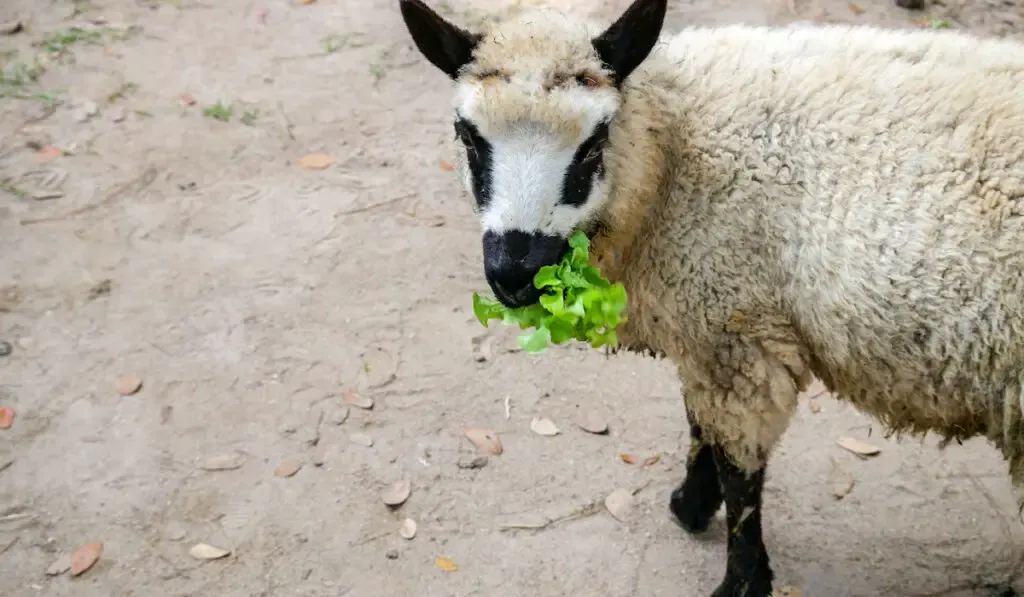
(531, 157)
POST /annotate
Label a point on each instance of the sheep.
(782, 204)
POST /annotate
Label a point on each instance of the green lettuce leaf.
(577, 304)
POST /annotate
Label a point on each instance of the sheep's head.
(534, 100)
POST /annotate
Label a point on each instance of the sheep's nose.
(513, 258)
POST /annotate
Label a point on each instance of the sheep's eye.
(587, 81)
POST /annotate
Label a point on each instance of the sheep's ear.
(628, 41)
(445, 45)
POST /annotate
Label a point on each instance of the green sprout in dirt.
(578, 303)
(57, 42)
(249, 117)
(218, 111)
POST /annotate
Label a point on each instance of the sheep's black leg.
(748, 572)
(700, 495)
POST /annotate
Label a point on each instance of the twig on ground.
(581, 512)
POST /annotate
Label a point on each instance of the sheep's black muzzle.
(513, 258)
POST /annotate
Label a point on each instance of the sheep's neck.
(636, 169)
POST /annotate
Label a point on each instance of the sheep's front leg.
(700, 494)
(742, 406)
(748, 572)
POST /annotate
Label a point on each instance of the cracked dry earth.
(249, 293)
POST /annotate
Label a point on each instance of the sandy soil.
(249, 294)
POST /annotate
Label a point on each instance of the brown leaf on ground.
(446, 165)
(542, 426)
(84, 557)
(627, 458)
(446, 564)
(287, 468)
(486, 440)
(187, 99)
(60, 565)
(128, 385)
(203, 551)
(650, 460)
(48, 154)
(358, 400)
(619, 503)
(842, 485)
(315, 161)
(858, 447)
(6, 417)
(856, 9)
(222, 462)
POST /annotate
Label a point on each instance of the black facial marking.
(479, 155)
(587, 164)
(695, 502)
(748, 572)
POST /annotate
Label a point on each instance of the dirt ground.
(249, 293)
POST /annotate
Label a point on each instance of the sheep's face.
(533, 106)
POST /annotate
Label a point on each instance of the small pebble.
(85, 110)
(392, 554)
(5, 348)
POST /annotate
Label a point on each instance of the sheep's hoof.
(694, 509)
(758, 586)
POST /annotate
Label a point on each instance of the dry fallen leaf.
(446, 165)
(789, 591)
(222, 462)
(6, 417)
(187, 98)
(203, 551)
(651, 460)
(408, 530)
(48, 154)
(856, 9)
(84, 557)
(842, 486)
(287, 468)
(446, 564)
(591, 422)
(815, 407)
(394, 495)
(857, 447)
(362, 439)
(486, 440)
(627, 458)
(358, 400)
(60, 565)
(619, 502)
(128, 385)
(315, 161)
(543, 427)
(304, 2)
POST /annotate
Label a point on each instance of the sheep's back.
(874, 183)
